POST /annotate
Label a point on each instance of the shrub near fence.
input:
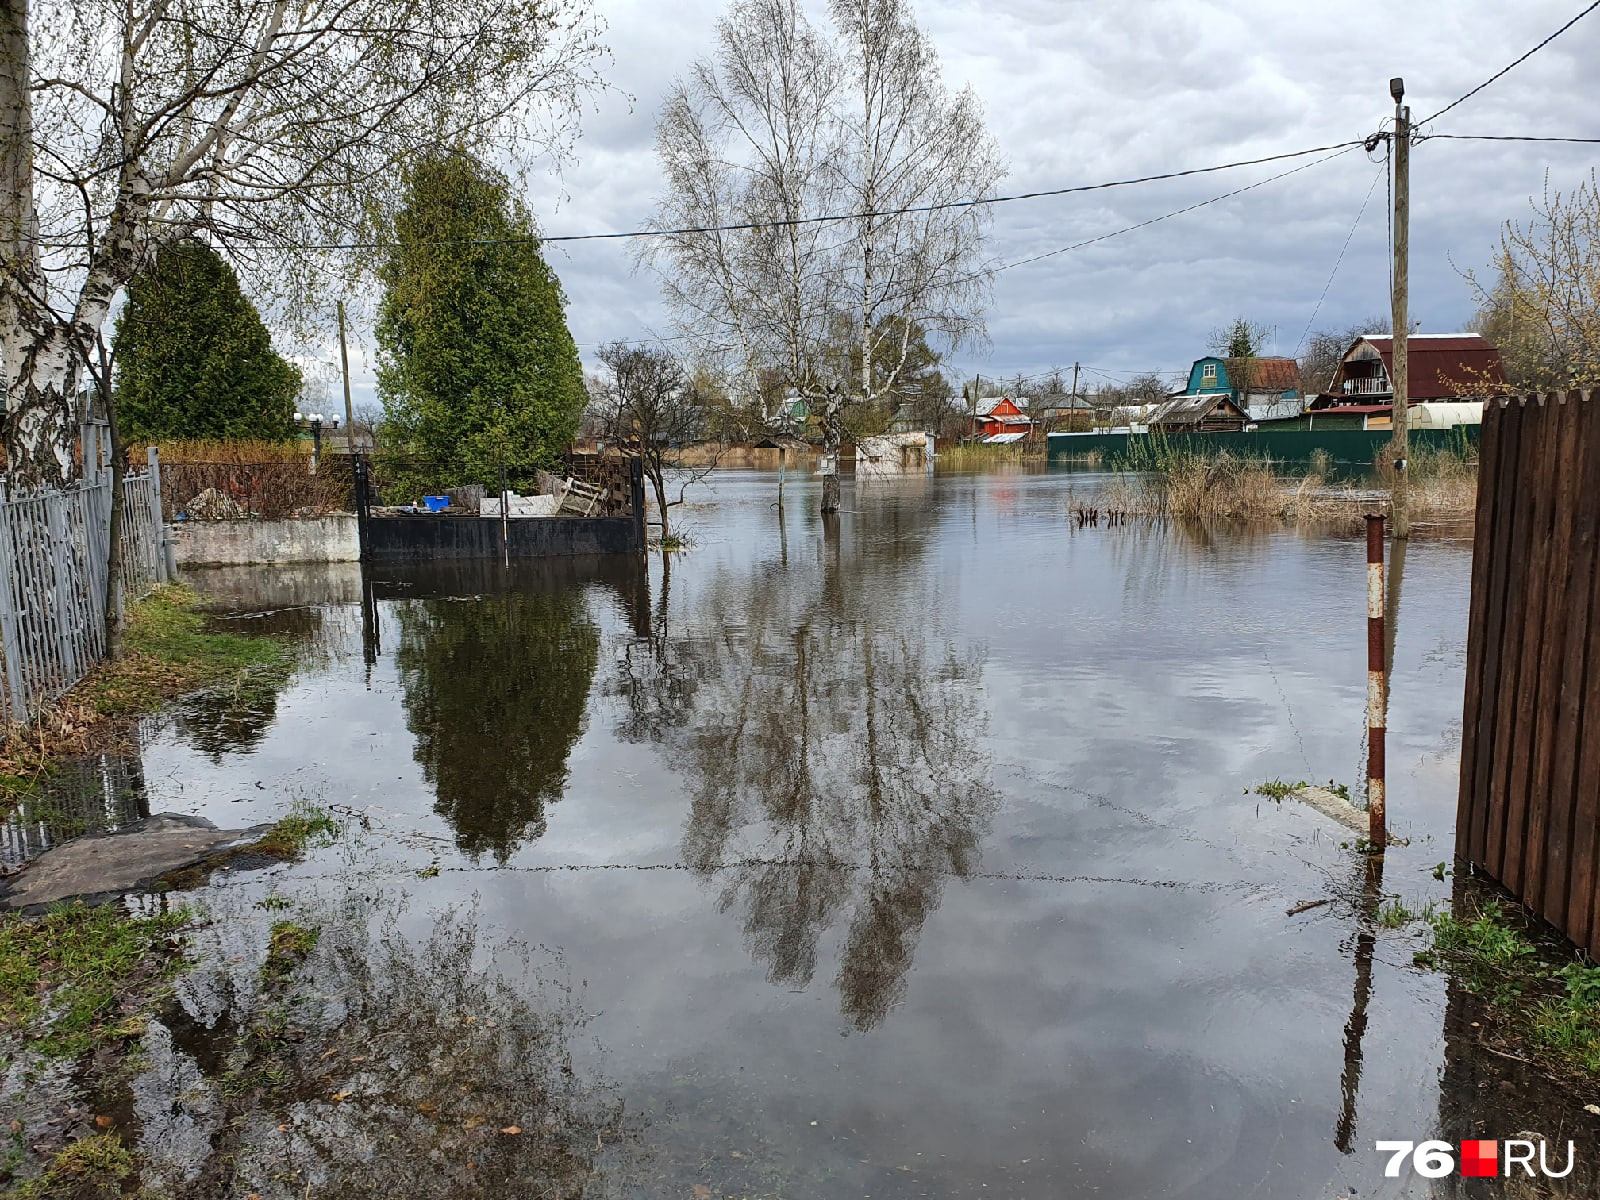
(250, 479)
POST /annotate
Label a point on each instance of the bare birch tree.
(267, 126)
(787, 125)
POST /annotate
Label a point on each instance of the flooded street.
(918, 855)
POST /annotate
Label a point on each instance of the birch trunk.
(35, 352)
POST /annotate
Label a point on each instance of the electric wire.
(973, 202)
(1513, 63)
(1372, 187)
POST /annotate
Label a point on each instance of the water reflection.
(496, 667)
(334, 1055)
(88, 794)
(834, 758)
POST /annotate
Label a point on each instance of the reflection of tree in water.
(378, 1066)
(835, 765)
(495, 693)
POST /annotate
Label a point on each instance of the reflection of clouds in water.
(836, 767)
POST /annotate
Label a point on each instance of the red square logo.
(1478, 1158)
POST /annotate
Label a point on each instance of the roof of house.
(1192, 409)
(1061, 402)
(1272, 374)
(988, 404)
(1440, 365)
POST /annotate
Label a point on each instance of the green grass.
(1393, 914)
(170, 652)
(1547, 1007)
(288, 944)
(92, 1168)
(306, 825)
(67, 978)
(1277, 789)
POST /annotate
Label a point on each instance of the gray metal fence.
(54, 546)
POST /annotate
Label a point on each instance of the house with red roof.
(1440, 367)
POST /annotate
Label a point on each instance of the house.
(906, 420)
(1441, 367)
(1000, 418)
(1207, 413)
(1062, 410)
(1268, 389)
(893, 455)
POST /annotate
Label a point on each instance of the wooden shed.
(1210, 412)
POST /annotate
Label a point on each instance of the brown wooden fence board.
(1531, 561)
(1576, 841)
(1470, 834)
(1529, 812)
(1551, 645)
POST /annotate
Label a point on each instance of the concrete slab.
(108, 864)
(1331, 804)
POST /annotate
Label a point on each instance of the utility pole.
(1074, 379)
(1400, 381)
(344, 360)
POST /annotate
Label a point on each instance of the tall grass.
(975, 456)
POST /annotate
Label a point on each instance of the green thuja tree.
(193, 358)
(477, 370)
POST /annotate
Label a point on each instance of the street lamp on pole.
(314, 422)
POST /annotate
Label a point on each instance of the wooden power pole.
(1400, 374)
(344, 362)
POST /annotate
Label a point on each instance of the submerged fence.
(1529, 811)
(54, 549)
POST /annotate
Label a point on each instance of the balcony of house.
(1377, 385)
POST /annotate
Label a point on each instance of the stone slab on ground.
(1331, 804)
(106, 864)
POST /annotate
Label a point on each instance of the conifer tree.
(477, 369)
(194, 359)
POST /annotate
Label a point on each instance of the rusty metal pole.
(1377, 687)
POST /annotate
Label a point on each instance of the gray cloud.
(1080, 91)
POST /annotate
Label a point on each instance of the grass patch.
(1393, 914)
(74, 977)
(978, 456)
(1547, 1008)
(1277, 789)
(169, 653)
(305, 826)
(92, 1168)
(288, 944)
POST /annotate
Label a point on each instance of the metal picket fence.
(54, 546)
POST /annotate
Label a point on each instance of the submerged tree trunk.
(832, 437)
(659, 482)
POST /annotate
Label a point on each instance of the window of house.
(1208, 373)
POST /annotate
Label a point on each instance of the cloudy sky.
(1083, 91)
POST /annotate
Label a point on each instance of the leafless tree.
(788, 124)
(648, 407)
(1542, 306)
(267, 126)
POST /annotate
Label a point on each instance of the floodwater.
(914, 853)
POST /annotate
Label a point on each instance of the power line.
(1178, 212)
(1515, 62)
(1372, 187)
(975, 202)
(1503, 137)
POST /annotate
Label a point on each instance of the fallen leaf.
(512, 1129)
(734, 1154)
(283, 1129)
(1588, 1108)
(701, 1191)
(428, 1108)
(104, 1122)
(341, 1096)
(327, 1054)
(472, 1122)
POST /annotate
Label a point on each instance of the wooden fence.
(53, 552)
(1529, 811)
